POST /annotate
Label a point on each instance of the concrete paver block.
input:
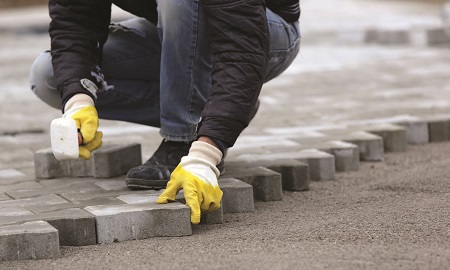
(74, 204)
(439, 129)
(437, 36)
(267, 184)
(294, 173)
(139, 221)
(114, 160)
(109, 161)
(237, 196)
(76, 227)
(14, 211)
(4, 197)
(31, 240)
(41, 200)
(370, 145)
(321, 164)
(387, 36)
(416, 131)
(210, 218)
(394, 136)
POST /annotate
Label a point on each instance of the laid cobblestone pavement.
(349, 97)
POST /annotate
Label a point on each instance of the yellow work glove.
(197, 175)
(81, 108)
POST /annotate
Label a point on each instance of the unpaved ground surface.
(389, 215)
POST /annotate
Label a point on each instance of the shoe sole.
(139, 184)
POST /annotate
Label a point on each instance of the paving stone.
(13, 176)
(139, 198)
(76, 227)
(437, 36)
(14, 211)
(211, 218)
(114, 160)
(267, 184)
(74, 204)
(370, 145)
(117, 183)
(439, 129)
(59, 186)
(321, 164)
(109, 161)
(387, 36)
(21, 186)
(394, 137)
(237, 196)
(4, 197)
(31, 240)
(140, 221)
(294, 174)
(73, 197)
(41, 200)
(47, 166)
(416, 131)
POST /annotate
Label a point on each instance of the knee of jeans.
(168, 10)
(42, 81)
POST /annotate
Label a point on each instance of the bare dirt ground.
(389, 215)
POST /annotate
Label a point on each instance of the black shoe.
(155, 172)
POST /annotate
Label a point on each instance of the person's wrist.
(79, 100)
(206, 151)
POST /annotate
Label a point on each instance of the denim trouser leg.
(185, 67)
(140, 58)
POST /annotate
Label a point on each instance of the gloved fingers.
(193, 200)
(170, 193)
(84, 153)
(96, 143)
(212, 199)
(87, 123)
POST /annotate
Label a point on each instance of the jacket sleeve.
(239, 42)
(78, 30)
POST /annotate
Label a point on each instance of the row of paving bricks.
(77, 203)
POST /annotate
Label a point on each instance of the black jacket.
(239, 41)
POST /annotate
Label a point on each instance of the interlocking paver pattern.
(322, 116)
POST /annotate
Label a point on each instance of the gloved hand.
(81, 108)
(197, 175)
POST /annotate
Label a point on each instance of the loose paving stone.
(439, 129)
(109, 161)
(76, 227)
(394, 137)
(370, 145)
(31, 240)
(211, 218)
(140, 221)
(416, 131)
(114, 160)
(41, 200)
(437, 36)
(294, 174)
(321, 164)
(237, 196)
(267, 184)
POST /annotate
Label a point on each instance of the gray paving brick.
(437, 36)
(47, 166)
(4, 197)
(439, 129)
(416, 131)
(370, 145)
(267, 184)
(139, 198)
(109, 161)
(394, 137)
(74, 204)
(73, 197)
(117, 183)
(14, 211)
(41, 200)
(31, 240)
(321, 164)
(139, 221)
(59, 186)
(21, 186)
(12, 176)
(211, 218)
(114, 160)
(294, 173)
(237, 196)
(76, 227)
(387, 36)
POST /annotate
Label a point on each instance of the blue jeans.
(162, 74)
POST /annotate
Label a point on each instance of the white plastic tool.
(64, 138)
